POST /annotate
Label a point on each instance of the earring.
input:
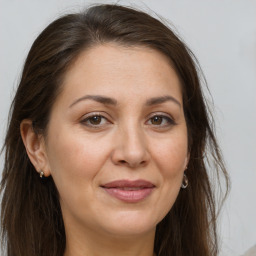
(41, 174)
(184, 182)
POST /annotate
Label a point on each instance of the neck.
(90, 244)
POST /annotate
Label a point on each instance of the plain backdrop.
(222, 34)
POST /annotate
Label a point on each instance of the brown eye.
(95, 120)
(156, 120)
(161, 121)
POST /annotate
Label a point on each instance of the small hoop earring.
(184, 182)
(41, 174)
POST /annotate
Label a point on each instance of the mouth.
(129, 191)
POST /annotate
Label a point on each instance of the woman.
(108, 143)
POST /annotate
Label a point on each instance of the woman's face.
(117, 141)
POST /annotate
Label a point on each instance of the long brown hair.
(31, 216)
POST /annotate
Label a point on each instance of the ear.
(35, 147)
(186, 161)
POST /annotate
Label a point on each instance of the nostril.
(132, 164)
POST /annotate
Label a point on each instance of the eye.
(156, 120)
(95, 121)
(161, 121)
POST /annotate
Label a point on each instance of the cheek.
(171, 155)
(171, 158)
(74, 159)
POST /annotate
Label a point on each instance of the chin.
(131, 223)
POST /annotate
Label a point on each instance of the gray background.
(222, 34)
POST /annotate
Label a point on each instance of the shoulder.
(251, 252)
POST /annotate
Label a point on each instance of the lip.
(129, 191)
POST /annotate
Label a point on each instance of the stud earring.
(184, 182)
(41, 174)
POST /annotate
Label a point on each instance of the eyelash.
(87, 121)
(169, 121)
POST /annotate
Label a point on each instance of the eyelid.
(96, 113)
(162, 114)
(169, 118)
(92, 114)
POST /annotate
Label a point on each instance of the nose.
(130, 148)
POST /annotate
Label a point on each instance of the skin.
(126, 142)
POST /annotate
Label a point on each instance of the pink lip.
(129, 191)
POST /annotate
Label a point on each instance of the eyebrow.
(163, 99)
(98, 98)
(110, 101)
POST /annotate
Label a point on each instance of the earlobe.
(35, 147)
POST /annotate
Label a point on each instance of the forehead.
(111, 69)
